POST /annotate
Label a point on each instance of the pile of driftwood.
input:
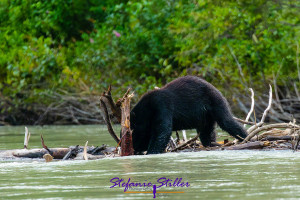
(74, 152)
(260, 136)
(124, 148)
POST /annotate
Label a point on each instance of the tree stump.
(126, 133)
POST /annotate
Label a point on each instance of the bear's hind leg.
(207, 134)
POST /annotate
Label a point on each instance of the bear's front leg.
(161, 132)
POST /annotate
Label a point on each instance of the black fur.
(186, 103)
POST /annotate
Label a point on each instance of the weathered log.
(274, 138)
(57, 153)
(271, 126)
(272, 132)
(249, 145)
(126, 140)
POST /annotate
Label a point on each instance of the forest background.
(58, 56)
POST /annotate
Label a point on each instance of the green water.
(211, 174)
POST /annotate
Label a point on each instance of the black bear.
(185, 103)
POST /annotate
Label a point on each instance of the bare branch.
(107, 121)
(252, 128)
(243, 121)
(116, 109)
(26, 138)
(269, 106)
(45, 147)
(186, 143)
(85, 157)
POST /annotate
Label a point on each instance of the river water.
(210, 174)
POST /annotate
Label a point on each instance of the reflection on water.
(211, 174)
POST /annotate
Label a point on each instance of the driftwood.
(121, 110)
(126, 140)
(116, 110)
(186, 143)
(60, 153)
(115, 107)
(250, 145)
(108, 122)
(275, 138)
(57, 153)
(85, 151)
(251, 129)
(252, 107)
(26, 138)
(106, 101)
(72, 153)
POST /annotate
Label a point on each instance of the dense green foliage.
(86, 45)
